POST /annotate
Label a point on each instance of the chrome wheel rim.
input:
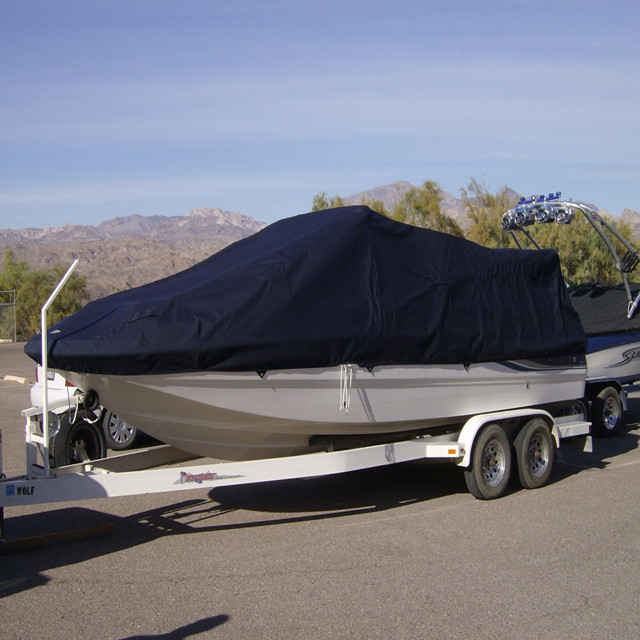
(538, 455)
(493, 463)
(610, 413)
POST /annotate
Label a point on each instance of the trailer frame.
(146, 471)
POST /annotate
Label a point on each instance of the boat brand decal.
(199, 478)
(627, 356)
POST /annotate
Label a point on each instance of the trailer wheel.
(76, 442)
(488, 476)
(534, 453)
(606, 412)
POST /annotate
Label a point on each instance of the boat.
(613, 338)
(608, 313)
(331, 329)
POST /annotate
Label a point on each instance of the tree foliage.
(485, 211)
(376, 205)
(421, 207)
(33, 288)
(322, 201)
(583, 255)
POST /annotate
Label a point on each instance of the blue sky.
(111, 108)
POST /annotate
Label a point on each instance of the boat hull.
(614, 357)
(247, 415)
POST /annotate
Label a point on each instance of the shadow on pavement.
(340, 496)
(200, 626)
(605, 450)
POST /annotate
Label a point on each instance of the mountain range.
(129, 251)
(126, 252)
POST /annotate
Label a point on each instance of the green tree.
(33, 288)
(322, 201)
(376, 205)
(583, 255)
(7, 302)
(485, 211)
(421, 207)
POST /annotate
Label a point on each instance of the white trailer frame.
(145, 471)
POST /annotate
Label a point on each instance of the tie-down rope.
(346, 380)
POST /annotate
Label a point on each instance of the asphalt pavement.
(400, 552)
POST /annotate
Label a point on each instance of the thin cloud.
(115, 107)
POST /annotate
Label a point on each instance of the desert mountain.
(129, 251)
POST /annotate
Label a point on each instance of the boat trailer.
(483, 447)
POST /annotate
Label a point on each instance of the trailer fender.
(476, 423)
(595, 387)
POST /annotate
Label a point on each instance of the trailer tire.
(534, 453)
(606, 413)
(488, 477)
(77, 441)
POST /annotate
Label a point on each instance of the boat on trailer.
(343, 336)
(332, 329)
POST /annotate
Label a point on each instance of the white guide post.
(45, 354)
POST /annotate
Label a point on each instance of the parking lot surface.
(401, 552)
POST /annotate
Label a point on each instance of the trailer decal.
(199, 478)
(12, 490)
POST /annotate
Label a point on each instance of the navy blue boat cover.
(603, 308)
(345, 285)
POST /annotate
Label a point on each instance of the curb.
(18, 379)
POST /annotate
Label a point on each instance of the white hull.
(237, 416)
(615, 357)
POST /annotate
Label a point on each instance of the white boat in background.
(609, 314)
(242, 415)
(613, 336)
